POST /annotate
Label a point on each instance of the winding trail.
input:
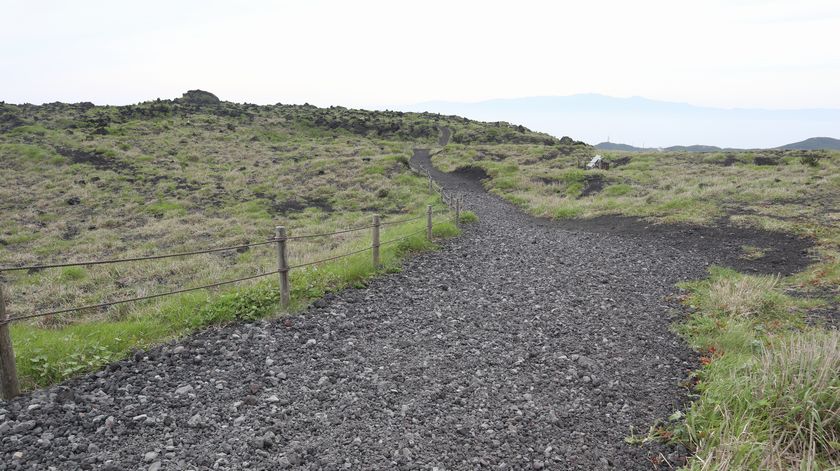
(518, 345)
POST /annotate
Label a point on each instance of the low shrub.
(468, 217)
(810, 160)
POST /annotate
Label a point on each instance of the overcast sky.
(734, 53)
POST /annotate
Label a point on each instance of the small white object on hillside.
(595, 162)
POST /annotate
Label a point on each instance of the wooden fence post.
(457, 212)
(429, 222)
(282, 265)
(8, 369)
(431, 183)
(375, 242)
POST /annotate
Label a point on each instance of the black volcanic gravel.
(519, 345)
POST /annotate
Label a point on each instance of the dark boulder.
(762, 160)
(199, 97)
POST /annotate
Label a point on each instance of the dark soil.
(620, 161)
(827, 317)
(545, 180)
(97, 160)
(784, 253)
(592, 185)
(295, 205)
(475, 174)
(759, 160)
(729, 161)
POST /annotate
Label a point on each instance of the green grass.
(769, 388)
(573, 176)
(468, 217)
(32, 129)
(162, 208)
(46, 355)
(163, 177)
(70, 274)
(567, 212)
(620, 189)
(29, 154)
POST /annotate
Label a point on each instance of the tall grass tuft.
(744, 297)
(780, 411)
(799, 379)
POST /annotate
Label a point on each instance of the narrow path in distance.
(516, 346)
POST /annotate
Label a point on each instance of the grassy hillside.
(84, 182)
(769, 393)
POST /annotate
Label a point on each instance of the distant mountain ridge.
(813, 143)
(593, 117)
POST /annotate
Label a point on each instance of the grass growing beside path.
(87, 182)
(769, 390)
(770, 387)
(46, 355)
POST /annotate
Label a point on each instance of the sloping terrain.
(525, 343)
(814, 143)
(518, 345)
(85, 182)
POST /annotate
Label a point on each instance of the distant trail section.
(721, 244)
(518, 345)
(445, 135)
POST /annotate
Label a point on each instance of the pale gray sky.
(738, 53)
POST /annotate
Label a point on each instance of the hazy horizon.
(755, 54)
(643, 122)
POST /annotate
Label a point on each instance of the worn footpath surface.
(520, 345)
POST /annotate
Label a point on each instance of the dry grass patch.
(744, 297)
(769, 391)
(778, 411)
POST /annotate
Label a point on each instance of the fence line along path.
(9, 384)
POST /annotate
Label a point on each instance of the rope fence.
(403, 221)
(212, 285)
(134, 259)
(450, 201)
(8, 370)
(325, 234)
(131, 300)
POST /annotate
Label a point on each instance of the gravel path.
(517, 346)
